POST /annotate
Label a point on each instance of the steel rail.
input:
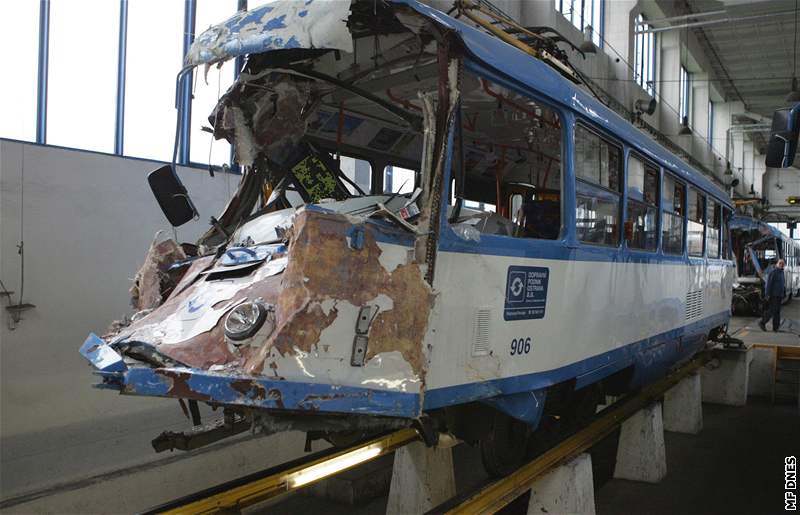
(493, 497)
(243, 492)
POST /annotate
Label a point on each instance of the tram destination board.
(526, 292)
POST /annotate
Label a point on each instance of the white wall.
(779, 184)
(86, 220)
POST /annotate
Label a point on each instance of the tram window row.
(621, 198)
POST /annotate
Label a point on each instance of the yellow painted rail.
(291, 478)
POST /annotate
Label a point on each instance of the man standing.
(774, 290)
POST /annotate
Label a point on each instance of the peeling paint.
(278, 25)
(323, 266)
(391, 260)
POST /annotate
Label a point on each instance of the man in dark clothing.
(774, 290)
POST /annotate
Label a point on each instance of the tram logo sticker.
(526, 292)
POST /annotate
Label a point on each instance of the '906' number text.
(520, 346)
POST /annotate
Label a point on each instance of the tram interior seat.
(511, 162)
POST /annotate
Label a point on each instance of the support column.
(683, 406)
(422, 478)
(641, 454)
(727, 383)
(567, 489)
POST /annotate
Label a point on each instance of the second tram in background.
(758, 246)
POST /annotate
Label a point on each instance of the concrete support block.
(762, 372)
(567, 489)
(728, 382)
(422, 478)
(641, 454)
(683, 406)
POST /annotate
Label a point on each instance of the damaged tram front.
(757, 247)
(306, 304)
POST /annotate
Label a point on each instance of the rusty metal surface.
(322, 271)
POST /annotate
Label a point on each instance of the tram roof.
(746, 223)
(494, 53)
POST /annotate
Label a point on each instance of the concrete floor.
(735, 465)
(747, 328)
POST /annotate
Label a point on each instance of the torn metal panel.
(267, 114)
(264, 393)
(151, 280)
(284, 24)
(101, 356)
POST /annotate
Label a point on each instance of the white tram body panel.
(592, 309)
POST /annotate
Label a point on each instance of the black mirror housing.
(171, 195)
(783, 137)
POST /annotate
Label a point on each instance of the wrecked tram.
(543, 251)
(757, 246)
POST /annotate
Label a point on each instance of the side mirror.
(171, 195)
(783, 137)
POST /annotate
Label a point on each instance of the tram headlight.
(245, 320)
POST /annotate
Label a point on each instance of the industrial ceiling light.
(685, 130)
(587, 47)
(794, 94)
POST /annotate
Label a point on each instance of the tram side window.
(713, 232)
(672, 222)
(509, 183)
(696, 225)
(642, 204)
(598, 166)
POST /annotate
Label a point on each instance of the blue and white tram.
(575, 256)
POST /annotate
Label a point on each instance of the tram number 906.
(520, 346)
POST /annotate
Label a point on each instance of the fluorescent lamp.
(333, 465)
